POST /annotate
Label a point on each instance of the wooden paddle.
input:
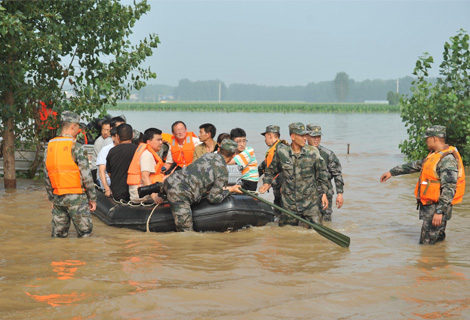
(332, 235)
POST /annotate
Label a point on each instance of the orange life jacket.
(270, 153)
(183, 156)
(428, 188)
(134, 174)
(61, 167)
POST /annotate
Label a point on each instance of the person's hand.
(339, 200)
(437, 220)
(385, 176)
(265, 187)
(235, 189)
(324, 201)
(156, 198)
(92, 205)
(107, 192)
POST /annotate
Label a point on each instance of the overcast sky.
(296, 42)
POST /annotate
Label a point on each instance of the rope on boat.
(150, 216)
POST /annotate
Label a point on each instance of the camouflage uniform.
(73, 207)
(304, 179)
(276, 184)
(447, 171)
(204, 178)
(334, 172)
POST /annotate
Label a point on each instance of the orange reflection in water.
(66, 271)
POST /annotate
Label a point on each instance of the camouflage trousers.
(181, 209)
(429, 233)
(71, 207)
(326, 214)
(311, 214)
(277, 200)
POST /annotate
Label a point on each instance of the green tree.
(47, 44)
(341, 84)
(446, 103)
(393, 98)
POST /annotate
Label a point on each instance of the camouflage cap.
(435, 131)
(229, 145)
(69, 116)
(314, 130)
(272, 128)
(298, 128)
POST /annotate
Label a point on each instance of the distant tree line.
(341, 89)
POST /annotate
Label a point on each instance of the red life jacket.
(62, 170)
(428, 188)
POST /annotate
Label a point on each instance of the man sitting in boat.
(146, 165)
(118, 160)
(206, 177)
(207, 133)
(182, 147)
(103, 179)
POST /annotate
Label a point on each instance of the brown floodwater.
(258, 273)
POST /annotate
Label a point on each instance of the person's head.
(206, 132)
(314, 134)
(221, 137)
(105, 129)
(116, 121)
(435, 137)
(153, 137)
(228, 149)
(298, 134)
(114, 136)
(70, 123)
(271, 135)
(124, 132)
(239, 136)
(179, 130)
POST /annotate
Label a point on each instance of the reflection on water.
(258, 273)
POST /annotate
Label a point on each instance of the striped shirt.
(247, 160)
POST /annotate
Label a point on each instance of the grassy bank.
(282, 107)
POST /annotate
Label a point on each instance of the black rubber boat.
(236, 212)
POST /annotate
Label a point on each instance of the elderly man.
(441, 184)
(304, 178)
(182, 147)
(69, 183)
(334, 170)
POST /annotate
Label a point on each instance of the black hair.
(177, 122)
(209, 128)
(222, 136)
(150, 133)
(237, 133)
(105, 122)
(113, 132)
(124, 131)
(116, 119)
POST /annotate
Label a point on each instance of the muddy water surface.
(258, 273)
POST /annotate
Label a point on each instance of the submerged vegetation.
(282, 107)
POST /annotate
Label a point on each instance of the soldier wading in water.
(441, 184)
(69, 183)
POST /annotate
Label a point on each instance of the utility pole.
(398, 80)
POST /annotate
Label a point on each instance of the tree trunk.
(9, 146)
